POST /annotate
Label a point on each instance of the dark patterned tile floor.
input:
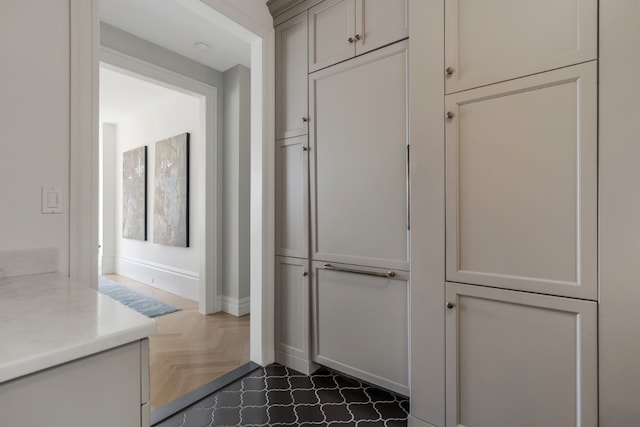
(281, 397)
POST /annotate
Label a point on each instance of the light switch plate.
(51, 200)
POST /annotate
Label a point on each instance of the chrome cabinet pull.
(389, 273)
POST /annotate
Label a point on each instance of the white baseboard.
(179, 282)
(296, 363)
(23, 262)
(235, 306)
(415, 422)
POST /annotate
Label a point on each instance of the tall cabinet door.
(292, 197)
(291, 77)
(380, 22)
(332, 33)
(519, 359)
(358, 144)
(521, 184)
(495, 40)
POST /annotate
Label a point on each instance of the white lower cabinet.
(360, 324)
(519, 359)
(102, 390)
(292, 314)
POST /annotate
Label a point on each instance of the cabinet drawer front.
(358, 160)
(361, 325)
(519, 359)
(521, 184)
(496, 40)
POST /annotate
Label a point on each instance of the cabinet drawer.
(360, 324)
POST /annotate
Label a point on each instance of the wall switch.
(51, 200)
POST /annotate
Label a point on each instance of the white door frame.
(83, 234)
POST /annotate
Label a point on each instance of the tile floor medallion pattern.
(279, 396)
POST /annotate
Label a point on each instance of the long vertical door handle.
(408, 187)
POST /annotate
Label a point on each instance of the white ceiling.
(171, 24)
(122, 96)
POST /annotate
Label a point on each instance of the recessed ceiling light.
(201, 46)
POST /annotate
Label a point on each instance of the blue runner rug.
(141, 303)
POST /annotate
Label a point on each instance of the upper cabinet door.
(331, 33)
(521, 184)
(358, 149)
(496, 40)
(291, 77)
(380, 22)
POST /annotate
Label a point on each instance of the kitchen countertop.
(48, 319)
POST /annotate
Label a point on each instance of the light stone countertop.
(48, 319)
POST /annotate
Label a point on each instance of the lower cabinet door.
(360, 323)
(519, 359)
(292, 313)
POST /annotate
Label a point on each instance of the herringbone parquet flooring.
(190, 349)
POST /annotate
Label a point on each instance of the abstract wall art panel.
(134, 194)
(171, 209)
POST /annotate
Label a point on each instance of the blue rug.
(141, 303)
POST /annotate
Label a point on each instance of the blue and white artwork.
(171, 209)
(134, 194)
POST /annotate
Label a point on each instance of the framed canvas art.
(134, 194)
(171, 208)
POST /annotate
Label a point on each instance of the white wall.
(107, 219)
(171, 268)
(34, 134)
(237, 176)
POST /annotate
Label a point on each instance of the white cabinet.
(341, 29)
(292, 197)
(520, 359)
(358, 146)
(360, 323)
(495, 40)
(521, 184)
(292, 314)
(291, 77)
(106, 389)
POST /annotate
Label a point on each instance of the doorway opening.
(210, 301)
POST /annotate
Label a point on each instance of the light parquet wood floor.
(190, 349)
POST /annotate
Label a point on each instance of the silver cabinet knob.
(450, 115)
(305, 149)
(305, 119)
(305, 274)
(449, 70)
(450, 305)
(357, 37)
(351, 39)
